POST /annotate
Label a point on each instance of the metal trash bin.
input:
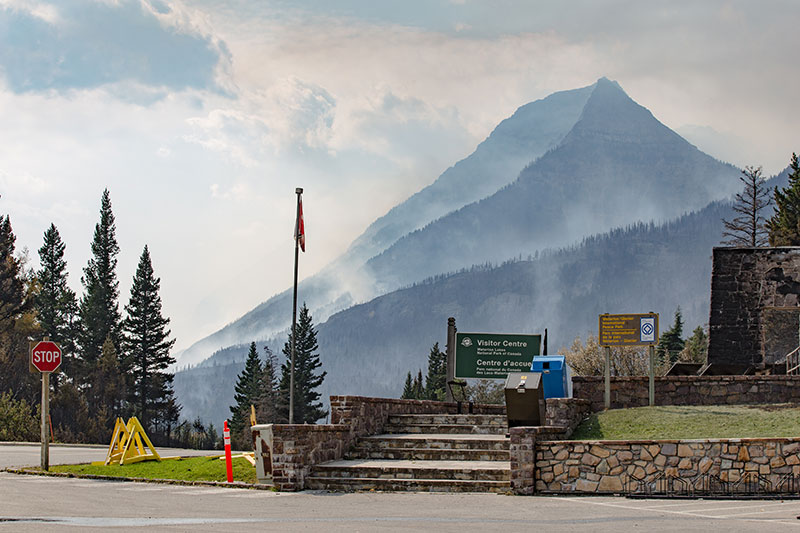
(525, 404)
(556, 375)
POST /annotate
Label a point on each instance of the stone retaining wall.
(689, 390)
(567, 413)
(609, 466)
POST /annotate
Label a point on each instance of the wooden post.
(45, 412)
(652, 351)
(451, 357)
(607, 394)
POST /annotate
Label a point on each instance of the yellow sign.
(628, 330)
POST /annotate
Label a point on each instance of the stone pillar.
(523, 460)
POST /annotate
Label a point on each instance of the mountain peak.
(611, 113)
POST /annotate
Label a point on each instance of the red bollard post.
(228, 463)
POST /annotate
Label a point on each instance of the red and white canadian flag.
(299, 227)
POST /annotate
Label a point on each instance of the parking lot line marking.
(699, 513)
(751, 505)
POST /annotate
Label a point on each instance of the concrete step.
(406, 485)
(450, 424)
(428, 454)
(450, 419)
(446, 476)
(417, 446)
(451, 429)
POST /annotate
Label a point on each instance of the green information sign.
(494, 355)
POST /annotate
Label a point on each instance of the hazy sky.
(202, 117)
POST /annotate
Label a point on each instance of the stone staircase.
(424, 453)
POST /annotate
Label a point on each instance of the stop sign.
(46, 356)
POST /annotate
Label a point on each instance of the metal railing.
(793, 362)
(711, 485)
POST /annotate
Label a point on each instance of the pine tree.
(267, 399)
(17, 321)
(99, 315)
(56, 305)
(671, 343)
(307, 408)
(246, 393)
(108, 392)
(784, 226)
(13, 296)
(437, 374)
(418, 387)
(408, 388)
(695, 349)
(147, 345)
(748, 229)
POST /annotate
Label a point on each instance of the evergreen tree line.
(113, 365)
(258, 387)
(750, 227)
(433, 386)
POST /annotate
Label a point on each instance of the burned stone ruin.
(754, 321)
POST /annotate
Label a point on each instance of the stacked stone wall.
(567, 413)
(745, 281)
(617, 466)
(689, 390)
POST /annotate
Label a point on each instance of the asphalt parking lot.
(38, 503)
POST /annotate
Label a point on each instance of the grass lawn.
(692, 422)
(188, 469)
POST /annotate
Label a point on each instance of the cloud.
(78, 44)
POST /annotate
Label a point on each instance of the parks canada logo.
(466, 342)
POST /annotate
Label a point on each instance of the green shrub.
(18, 420)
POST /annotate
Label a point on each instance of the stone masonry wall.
(522, 450)
(689, 390)
(745, 281)
(368, 416)
(567, 413)
(614, 466)
(295, 447)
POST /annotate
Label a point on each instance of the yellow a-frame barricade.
(129, 444)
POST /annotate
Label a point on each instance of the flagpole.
(299, 192)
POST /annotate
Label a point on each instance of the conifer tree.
(437, 374)
(13, 296)
(418, 387)
(267, 399)
(748, 228)
(784, 226)
(108, 393)
(99, 315)
(408, 388)
(246, 393)
(17, 321)
(695, 349)
(307, 407)
(56, 305)
(147, 345)
(671, 343)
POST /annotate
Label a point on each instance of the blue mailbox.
(556, 375)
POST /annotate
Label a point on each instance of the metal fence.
(749, 484)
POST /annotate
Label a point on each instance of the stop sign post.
(46, 358)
